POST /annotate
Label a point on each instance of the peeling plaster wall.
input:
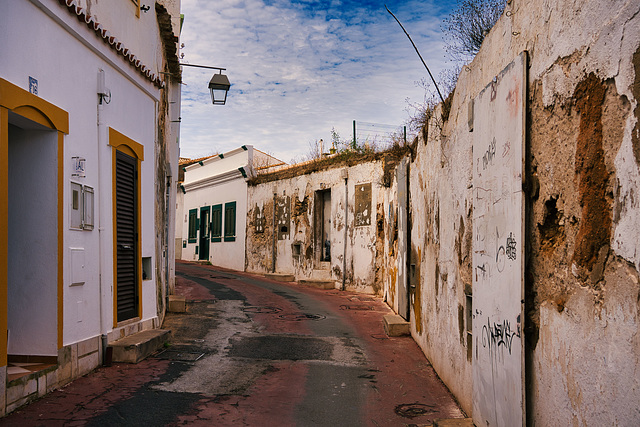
(390, 245)
(583, 215)
(297, 250)
(441, 202)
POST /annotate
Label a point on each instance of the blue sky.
(300, 68)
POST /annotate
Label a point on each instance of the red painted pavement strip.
(88, 396)
(405, 375)
(402, 375)
(191, 290)
(270, 323)
(271, 401)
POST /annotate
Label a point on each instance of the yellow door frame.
(19, 101)
(130, 147)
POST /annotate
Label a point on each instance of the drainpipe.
(273, 249)
(101, 138)
(345, 175)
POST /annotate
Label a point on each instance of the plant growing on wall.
(467, 25)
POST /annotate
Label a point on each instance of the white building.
(87, 149)
(214, 209)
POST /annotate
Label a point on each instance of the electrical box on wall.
(77, 268)
(82, 211)
(76, 211)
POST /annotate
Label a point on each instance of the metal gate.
(404, 246)
(498, 242)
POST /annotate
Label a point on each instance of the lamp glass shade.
(219, 86)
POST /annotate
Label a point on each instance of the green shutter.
(216, 223)
(193, 225)
(230, 222)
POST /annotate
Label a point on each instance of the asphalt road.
(255, 352)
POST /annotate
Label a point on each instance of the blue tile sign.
(78, 167)
(33, 85)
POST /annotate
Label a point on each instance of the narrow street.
(255, 352)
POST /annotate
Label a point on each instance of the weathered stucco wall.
(297, 238)
(583, 215)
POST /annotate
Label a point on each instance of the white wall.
(215, 165)
(67, 71)
(223, 254)
(218, 181)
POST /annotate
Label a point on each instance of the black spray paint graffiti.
(499, 335)
(511, 247)
(487, 159)
(510, 251)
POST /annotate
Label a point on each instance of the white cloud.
(297, 70)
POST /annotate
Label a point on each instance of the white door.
(498, 255)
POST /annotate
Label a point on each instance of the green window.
(216, 223)
(230, 222)
(193, 225)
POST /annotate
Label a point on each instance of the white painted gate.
(498, 255)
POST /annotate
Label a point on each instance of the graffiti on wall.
(498, 138)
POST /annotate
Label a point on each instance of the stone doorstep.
(320, 284)
(323, 275)
(453, 422)
(177, 304)
(396, 326)
(136, 347)
(280, 277)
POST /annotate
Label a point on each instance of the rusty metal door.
(498, 125)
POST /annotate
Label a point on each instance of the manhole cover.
(413, 410)
(180, 356)
(302, 316)
(262, 310)
(356, 307)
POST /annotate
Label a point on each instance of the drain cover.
(412, 410)
(267, 310)
(356, 307)
(302, 316)
(180, 356)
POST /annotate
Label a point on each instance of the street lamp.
(218, 85)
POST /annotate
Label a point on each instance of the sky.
(300, 68)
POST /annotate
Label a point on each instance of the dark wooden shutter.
(216, 223)
(230, 222)
(126, 237)
(193, 225)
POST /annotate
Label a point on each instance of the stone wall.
(298, 245)
(582, 346)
